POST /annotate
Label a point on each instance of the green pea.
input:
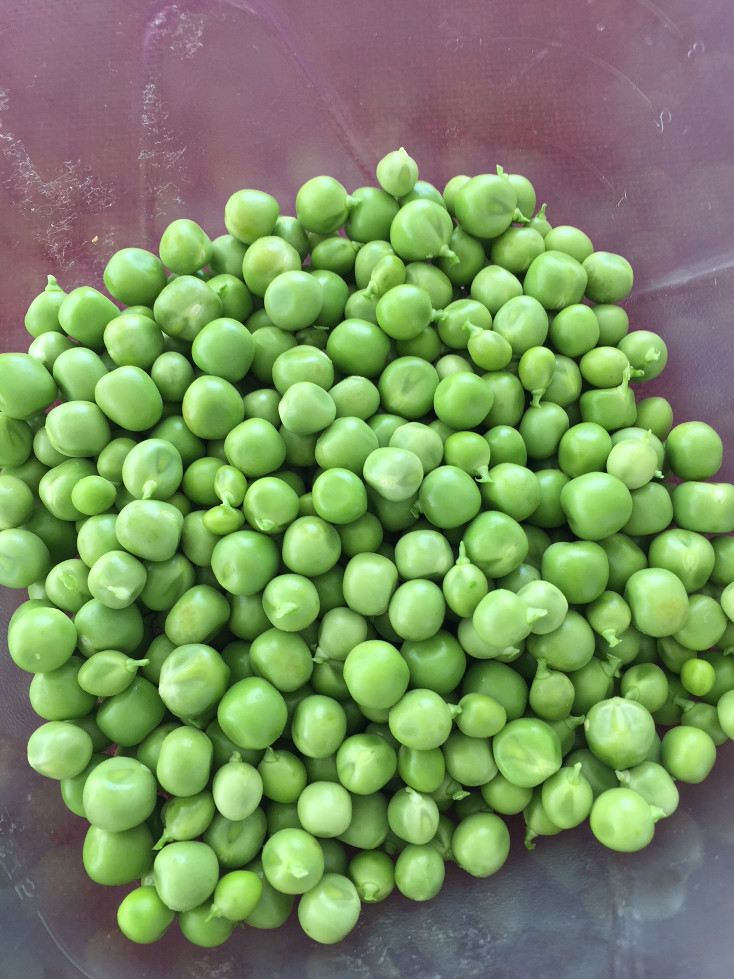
(130, 339)
(119, 794)
(24, 558)
(250, 214)
(330, 909)
(143, 917)
(462, 400)
(365, 763)
(186, 874)
(48, 347)
(193, 678)
(653, 783)
(310, 546)
(197, 616)
(16, 440)
(449, 497)
(281, 657)
(244, 562)
(610, 277)
(481, 844)
(416, 609)
(495, 542)
(419, 871)
(646, 352)
(516, 248)
(373, 874)
(485, 205)
(376, 674)
(421, 719)
(575, 331)
(42, 315)
(236, 895)
(704, 625)
(59, 749)
(619, 731)
(134, 276)
(464, 585)
(623, 820)
(567, 797)
(322, 205)
(658, 601)
(113, 858)
(129, 398)
(397, 173)
(655, 414)
(130, 716)
(520, 763)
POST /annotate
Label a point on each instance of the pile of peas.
(345, 537)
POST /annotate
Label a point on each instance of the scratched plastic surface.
(117, 118)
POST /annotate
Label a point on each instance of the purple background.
(116, 118)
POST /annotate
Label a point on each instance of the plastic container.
(117, 118)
